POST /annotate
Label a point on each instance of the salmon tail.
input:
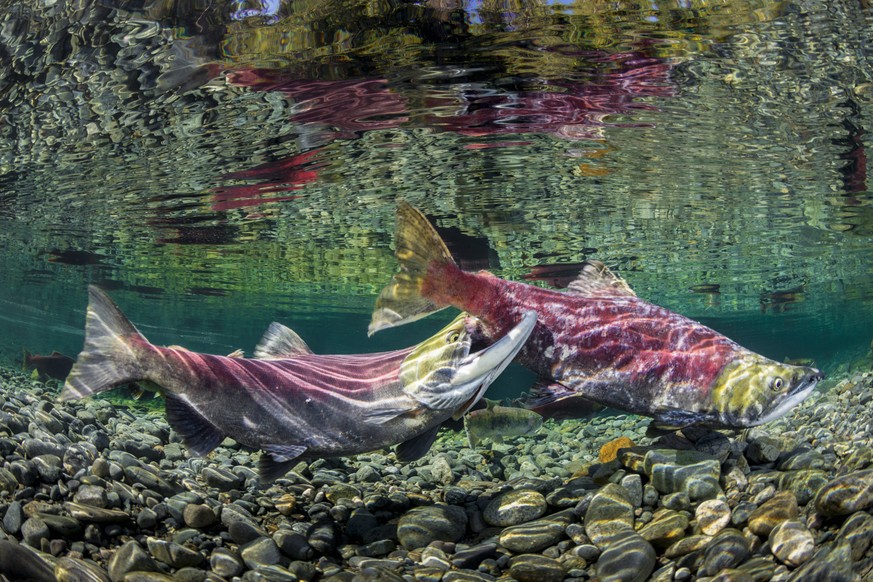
(418, 247)
(108, 358)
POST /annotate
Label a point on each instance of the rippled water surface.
(216, 168)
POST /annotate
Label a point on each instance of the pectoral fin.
(416, 447)
(198, 434)
(277, 460)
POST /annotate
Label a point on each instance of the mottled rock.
(222, 479)
(609, 512)
(136, 474)
(858, 532)
(91, 495)
(831, 563)
(763, 449)
(89, 513)
(627, 557)
(690, 472)
(633, 484)
(261, 552)
(33, 531)
(515, 507)
(846, 494)
(225, 563)
(536, 535)
(780, 507)
(422, 525)
(792, 543)
(712, 515)
(198, 515)
(293, 545)
(323, 536)
(727, 549)
(13, 518)
(130, 557)
(75, 570)
(535, 568)
(667, 527)
(804, 483)
(19, 562)
(173, 554)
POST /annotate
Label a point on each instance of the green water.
(216, 174)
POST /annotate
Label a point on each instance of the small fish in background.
(558, 403)
(55, 365)
(290, 402)
(495, 422)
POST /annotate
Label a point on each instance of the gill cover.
(442, 374)
(753, 390)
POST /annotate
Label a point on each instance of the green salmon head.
(753, 390)
(443, 373)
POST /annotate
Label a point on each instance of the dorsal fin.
(280, 342)
(596, 280)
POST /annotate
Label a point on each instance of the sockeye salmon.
(597, 340)
(289, 401)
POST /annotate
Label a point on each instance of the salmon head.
(753, 390)
(448, 368)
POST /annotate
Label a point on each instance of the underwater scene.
(436, 290)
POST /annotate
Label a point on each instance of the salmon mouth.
(795, 396)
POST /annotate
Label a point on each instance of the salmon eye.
(452, 337)
(777, 383)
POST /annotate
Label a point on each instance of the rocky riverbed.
(92, 491)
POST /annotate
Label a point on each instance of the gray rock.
(19, 562)
(422, 525)
(691, 472)
(442, 470)
(666, 528)
(89, 513)
(323, 536)
(831, 563)
(846, 494)
(48, 467)
(535, 568)
(712, 516)
(261, 552)
(536, 535)
(13, 518)
(74, 570)
(173, 554)
(137, 474)
(626, 557)
(762, 450)
(633, 484)
(293, 545)
(728, 549)
(199, 516)
(222, 479)
(804, 483)
(92, 495)
(473, 556)
(8, 481)
(514, 507)
(610, 511)
(130, 558)
(33, 531)
(66, 527)
(792, 543)
(225, 563)
(858, 532)
(360, 523)
(78, 456)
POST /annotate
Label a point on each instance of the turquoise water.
(216, 172)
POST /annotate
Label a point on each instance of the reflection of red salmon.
(558, 275)
(284, 175)
(56, 365)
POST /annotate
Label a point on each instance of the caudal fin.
(418, 246)
(108, 358)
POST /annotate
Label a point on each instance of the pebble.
(792, 543)
(627, 558)
(422, 525)
(535, 568)
(712, 516)
(609, 512)
(781, 507)
(727, 549)
(536, 535)
(515, 507)
(846, 494)
(666, 528)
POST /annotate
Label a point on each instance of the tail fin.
(107, 359)
(417, 247)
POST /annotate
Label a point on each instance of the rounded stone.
(846, 494)
(535, 568)
(666, 528)
(515, 507)
(780, 507)
(420, 526)
(627, 557)
(727, 549)
(792, 543)
(609, 511)
(261, 552)
(536, 535)
(198, 516)
(712, 515)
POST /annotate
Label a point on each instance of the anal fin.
(416, 447)
(198, 434)
(277, 460)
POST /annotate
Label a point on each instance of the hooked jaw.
(795, 396)
(476, 371)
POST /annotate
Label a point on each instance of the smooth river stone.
(712, 515)
(846, 494)
(667, 527)
(535, 568)
(420, 526)
(609, 512)
(691, 472)
(536, 535)
(858, 531)
(804, 483)
(792, 543)
(93, 514)
(514, 507)
(74, 570)
(831, 563)
(780, 507)
(130, 557)
(728, 549)
(626, 557)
